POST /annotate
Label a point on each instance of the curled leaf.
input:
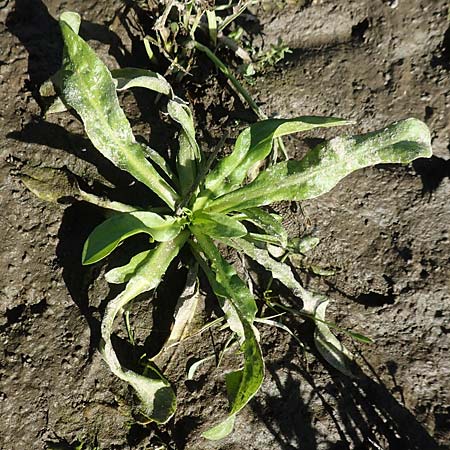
(221, 430)
(73, 19)
(131, 77)
(158, 401)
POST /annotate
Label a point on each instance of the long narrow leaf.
(55, 185)
(243, 384)
(188, 157)
(240, 307)
(218, 225)
(87, 87)
(324, 166)
(233, 286)
(131, 77)
(124, 273)
(157, 397)
(253, 145)
(313, 304)
(110, 233)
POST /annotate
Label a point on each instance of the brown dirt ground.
(384, 229)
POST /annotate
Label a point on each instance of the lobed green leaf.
(324, 166)
(110, 233)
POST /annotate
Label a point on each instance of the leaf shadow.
(55, 136)
(39, 33)
(365, 413)
(77, 278)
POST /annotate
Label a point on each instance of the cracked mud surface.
(385, 230)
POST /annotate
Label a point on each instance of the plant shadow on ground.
(365, 413)
(365, 409)
(39, 33)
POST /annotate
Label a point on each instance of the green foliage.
(177, 25)
(207, 207)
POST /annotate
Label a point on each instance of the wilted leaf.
(280, 271)
(185, 319)
(239, 306)
(49, 184)
(131, 77)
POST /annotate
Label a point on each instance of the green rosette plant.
(207, 202)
